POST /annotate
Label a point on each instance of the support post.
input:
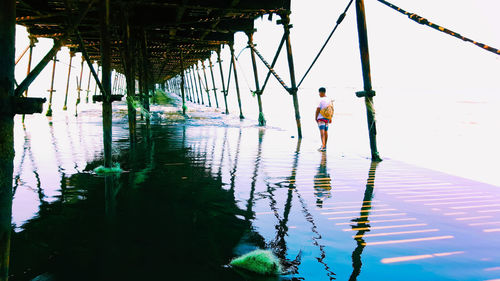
(33, 41)
(193, 85)
(182, 86)
(224, 91)
(145, 70)
(213, 81)
(285, 20)
(95, 88)
(88, 88)
(71, 55)
(190, 96)
(106, 81)
(199, 83)
(368, 92)
(79, 87)
(7, 65)
(49, 109)
(206, 84)
(258, 92)
(233, 59)
(129, 64)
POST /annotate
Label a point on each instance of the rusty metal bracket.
(362, 94)
(112, 98)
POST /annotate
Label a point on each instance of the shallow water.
(197, 193)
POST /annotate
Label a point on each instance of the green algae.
(259, 261)
(101, 170)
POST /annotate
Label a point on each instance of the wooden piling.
(184, 107)
(88, 87)
(129, 65)
(206, 84)
(224, 91)
(145, 69)
(213, 81)
(233, 59)
(71, 55)
(285, 20)
(79, 87)
(106, 81)
(49, 109)
(95, 88)
(199, 83)
(258, 92)
(33, 41)
(193, 85)
(368, 92)
(7, 65)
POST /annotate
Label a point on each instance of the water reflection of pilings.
(249, 212)
(235, 167)
(219, 174)
(60, 169)
(309, 217)
(362, 224)
(279, 243)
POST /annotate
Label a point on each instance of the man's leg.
(326, 137)
(323, 140)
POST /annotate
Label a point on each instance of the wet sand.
(197, 192)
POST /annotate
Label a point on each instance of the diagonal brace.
(252, 46)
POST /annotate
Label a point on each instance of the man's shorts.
(322, 124)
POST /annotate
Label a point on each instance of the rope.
(339, 21)
(424, 21)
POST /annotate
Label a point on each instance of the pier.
(190, 182)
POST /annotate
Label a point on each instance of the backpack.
(327, 112)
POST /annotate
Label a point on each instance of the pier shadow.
(179, 223)
(362, 224)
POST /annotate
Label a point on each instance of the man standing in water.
(323, 121)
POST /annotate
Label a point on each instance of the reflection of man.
(322, 121)
(322, 182)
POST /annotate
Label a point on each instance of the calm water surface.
(194, 194)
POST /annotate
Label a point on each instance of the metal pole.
(222, 80)
(293, 91)
(88, 87)
(7, 66)
(258, 92)
(145, 65)
(33, 40)
(182, 86)
(95, 88)
(106, 82)
(195, 89)
(188, 88)
(206, 84)
(130, 79)
(71, 55)
(233, 59)
(199, 83)
(79, 89)
(213, 81)
(49, 109)
(368, 92)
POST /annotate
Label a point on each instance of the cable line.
(339, 20)
(424, 21)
